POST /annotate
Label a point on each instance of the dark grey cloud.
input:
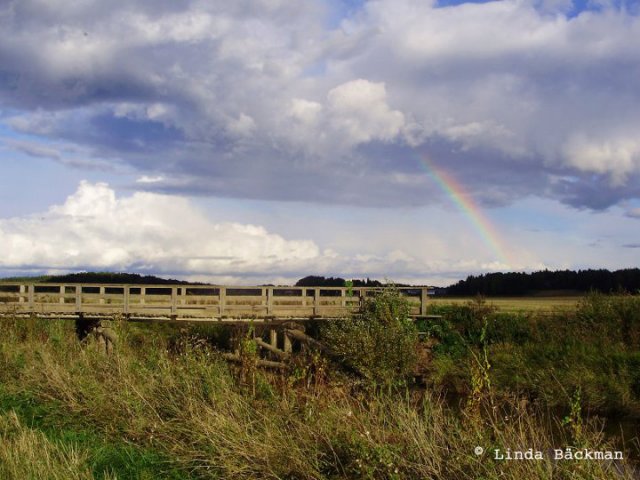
(595, 191)
(260, 99)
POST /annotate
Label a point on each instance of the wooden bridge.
(195, 303)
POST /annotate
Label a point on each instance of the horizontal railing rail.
(183, 301)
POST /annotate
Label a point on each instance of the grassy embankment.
(165, 406)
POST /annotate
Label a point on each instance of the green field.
(518, 304)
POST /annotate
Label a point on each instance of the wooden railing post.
(78, 298)
(269, 292)
(222, 299)
(316, 301)
(174, 300)
(63, 289)
(125, 301)
(102, 293)
(31, 295)
(23, 290)
(143, 292)
(423, 301)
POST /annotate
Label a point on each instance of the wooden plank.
(303, 337)
(261, 363)
(271, 348)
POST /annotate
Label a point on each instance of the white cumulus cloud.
(95, 229)
(359, 109)
(617, 157)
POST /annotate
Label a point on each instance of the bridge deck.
(192, 302)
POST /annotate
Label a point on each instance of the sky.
(260, 141)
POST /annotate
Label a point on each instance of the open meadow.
(167, 405)
(538, 304)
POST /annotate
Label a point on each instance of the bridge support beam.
(287, 343)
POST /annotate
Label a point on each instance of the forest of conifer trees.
(520, 283)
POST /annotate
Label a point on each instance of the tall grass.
(594, 349)
(29, 454)
(186, 414)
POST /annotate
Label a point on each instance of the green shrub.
(614, 318)
(379, 344)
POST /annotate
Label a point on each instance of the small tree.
(380, 342)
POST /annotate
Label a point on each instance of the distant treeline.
(491, 284)
(319, 281)
(137, 279)
(513, 283)
(100, 277)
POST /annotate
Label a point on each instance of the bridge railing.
(194, 301)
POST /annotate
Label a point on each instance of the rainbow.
(450, 186)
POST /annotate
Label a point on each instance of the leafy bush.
(545, 356)
(612, 317)
(380, 343)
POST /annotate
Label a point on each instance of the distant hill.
(101, 277)
(558, 282)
